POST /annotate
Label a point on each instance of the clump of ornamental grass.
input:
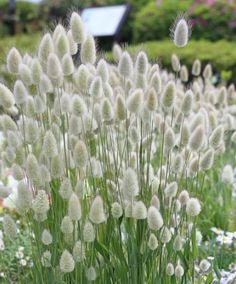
(110, 159)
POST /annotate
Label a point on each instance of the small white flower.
(23, 262)
(19, 254)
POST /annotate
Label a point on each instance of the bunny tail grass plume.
(193, 207)
(116, 52)
(186, 106)
(91, 274)
(165, 235)
(168, 96)
(120, 109)
(170, 270)
(183, 197)
(80, 154)
(36, 70)
(175, 63)
(45, 48)
(204, 265)
(129, 185)
(67, 225)
(197, 138)
(7, 99)
(180, 31)
(227, 175)
(88, 51)
(207, 160)
(179, 271)
(54, 69)
(79, 251)
(156, 82)
(171, 190)
(62, 45)
(77, 28)
(102, 70)
(14, 59)
(184, 74)
(66, 189)
(207, 72)
(141, 64)
(25, 74)
(67, 263)
(196, 68)
(74, 208)
(9, 227)
(116, 210)
(178, 243)
(96, 87)
(107, 110)
(152, 242)
(67, 65)
(169, 139)
(125, 65)
(216, 137)
(96, 212)
(24, 197)
(46, 237)
(151, 102)
(134, 101)
(50, 145)
(73, 45)
(139, 211)
(154, 218)
(88, 232)
(41, 205)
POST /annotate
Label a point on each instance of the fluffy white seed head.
(25, 74)
(116, 210)
(197, 138)
(141, 64)
(36, 70)
(129, 184)
(169, 139)
(6, 97)
(207, 72)
(186, 105)
(193, 207)
(125, 65)
(96, 212)
(79, 252)
(80, 154)
(91, 274)
(139, 211)
(77, 28)
(120, 109)
(45, 48)
(117, 52)
(102, 70)
(134, 102)
(24, 197)
(216, 137)
(152, 102)
(165, 235)
(67, 226)
(88, 232)
(46, 237)
(81, 78)
(66, 189)
(74, 208)
(54, 69)
(88, 51)
(14, 59)
(168, 96)
(156, 82)
(67, 65)
(171, 190)
(155, 221)
(9, 227)
(196, 68)
(183, 197)
(227, 175)
(152, 242)
(204, 265)
(184, 74)
(181, 33)
(72, 44)
(170, 270)
(79, 107)
(50, 144)
(207, 160)
(62, 45)
(179, 271)
(67, 263)
(46, 259)
(178, 243)
(175, 63)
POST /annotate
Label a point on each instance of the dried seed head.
(81, 78)
(14, 59)
(77, 28)
(54, 69)
(41, 204)
(6, 97)
(73, 45)
(207, 160)
(207, 72)
(91, 274)
(216, 137)
(88, 232)
(45, 85)
(141, 64)
(187, 101)
(50, 144)
(169, 139)
(227, 175)
(96, 212)
(67, 225)
(96, 87)
(25, 74)
(120, 110)
(117, 52)
(24, 198)
(151, 102)
(102, 70)
(165, 235)
(79, 252)
(32, 167)
(134, 101)
(183, 197)
(175, 63)
(179, 271)
(139, 211)
(204, 265)
(129, 185)
(62, 45)
(45, 48)
(9, 227)
(46, 237)
(74, 208)
(67, 263)
(152, 242)
(80, 154)
(125, 65)
(181, 32)
(66, 189)
(46, 259)
(193, 207)
(178, 243)
(107, 110)
(36, 70)
(78, 106)
(116, 210)
(196, 68)
(171, 190)
(170, 270)
(197, 138)
(88, 51)
(168, 96)
(184, 74)
(67, 65)
(154, 218)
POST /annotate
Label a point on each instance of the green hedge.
(220, 54)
